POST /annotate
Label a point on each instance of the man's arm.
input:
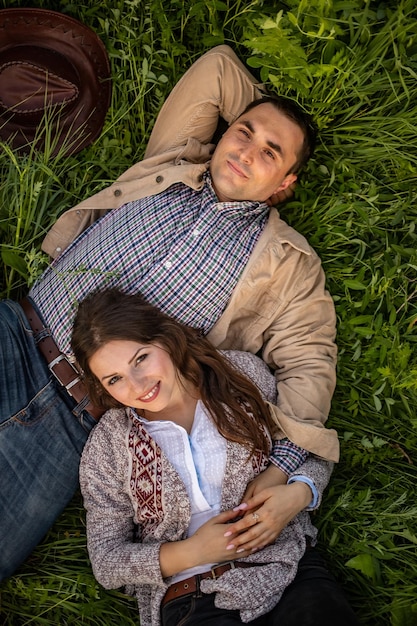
(277, 498)
(299, 345)
(217, 84)
(281, 307)
(273, 493)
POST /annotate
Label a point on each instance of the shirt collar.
(241, 208)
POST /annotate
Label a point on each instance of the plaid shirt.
(182, 249)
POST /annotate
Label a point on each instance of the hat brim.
(59, 47)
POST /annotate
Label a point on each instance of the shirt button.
(159, 179)
(196, 232)
(168, 264)
(117, 192)
(58, 249)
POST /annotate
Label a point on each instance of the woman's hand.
(266, 513)
(267, 507)
(209, 544)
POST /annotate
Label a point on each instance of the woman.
(164, 472)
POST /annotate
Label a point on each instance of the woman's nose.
(138, 385)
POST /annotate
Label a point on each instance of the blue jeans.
(314, 598)
(41, 438)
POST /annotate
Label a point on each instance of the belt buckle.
(73, 382)
(212, 569)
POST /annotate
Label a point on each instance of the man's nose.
(247, 154)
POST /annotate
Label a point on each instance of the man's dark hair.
(294, 112)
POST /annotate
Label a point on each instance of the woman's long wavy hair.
(229, 396)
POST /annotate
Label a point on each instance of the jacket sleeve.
(282, 310)
(316, 469)
(299, 345)
(216, 84)
(116, 559)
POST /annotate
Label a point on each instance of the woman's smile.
(151, 395)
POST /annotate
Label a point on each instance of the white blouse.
(200, 460)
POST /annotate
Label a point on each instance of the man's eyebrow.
(271, 144)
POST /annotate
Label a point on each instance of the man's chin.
(231, 194)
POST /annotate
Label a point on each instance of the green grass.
(353, 63)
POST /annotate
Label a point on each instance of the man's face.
(253, 157)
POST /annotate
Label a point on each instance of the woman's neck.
(181, 411)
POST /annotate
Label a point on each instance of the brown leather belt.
(192, 585)
(59, 365)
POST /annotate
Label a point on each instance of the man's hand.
(266, 513)
(271, 477)
(281, 196)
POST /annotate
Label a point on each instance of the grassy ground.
(353, 64)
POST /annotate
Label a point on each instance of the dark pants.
(314, 598)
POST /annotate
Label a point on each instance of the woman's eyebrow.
(107, 376)
(135, 355)
(130, 361)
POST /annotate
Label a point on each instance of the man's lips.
(236, 169)
(151, 395)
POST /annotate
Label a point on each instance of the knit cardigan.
(135, 501)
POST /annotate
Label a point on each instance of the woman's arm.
(116, 557)
(209, 544)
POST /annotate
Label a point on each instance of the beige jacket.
(279, 306)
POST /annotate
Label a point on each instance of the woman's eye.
(113, 380)
(140, 358)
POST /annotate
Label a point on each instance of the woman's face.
(138, 375)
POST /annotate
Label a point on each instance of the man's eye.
(270, 154)
(244, 132)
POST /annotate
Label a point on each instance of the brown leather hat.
(54, 80)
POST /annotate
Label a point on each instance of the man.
(196, 237)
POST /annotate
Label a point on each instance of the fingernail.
(228, 533)
(230, 546)
(240, 550)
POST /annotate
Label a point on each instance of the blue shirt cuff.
(304, 479)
